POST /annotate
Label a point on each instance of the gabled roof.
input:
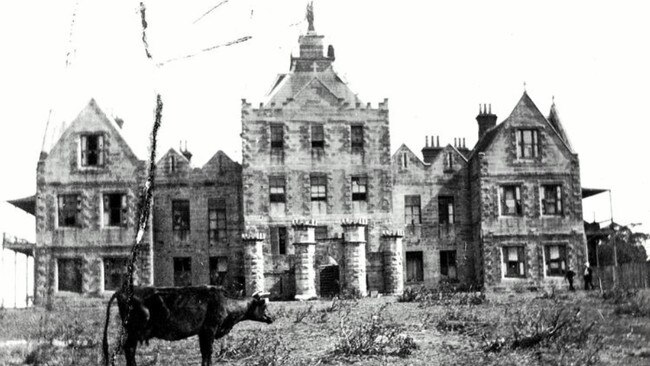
(173, 151)
(404, 148)
(524, 104)
(288, 86)
(55, 132)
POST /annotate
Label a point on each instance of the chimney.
(119, 121)
(486, 119)
(186, 153)
(431, 150)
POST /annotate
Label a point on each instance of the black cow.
(174, 313)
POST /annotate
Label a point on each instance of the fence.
(630, 275)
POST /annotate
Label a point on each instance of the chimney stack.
(486, 119)
(431, 150)
(186, 153)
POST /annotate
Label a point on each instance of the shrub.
(456, 319)
(373, 336)
(619, 295)
(636, 306)
(259, 348)
(303, 313)
(446, 294)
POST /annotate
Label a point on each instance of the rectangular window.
(449, 161)
(92, 150)
(414, 267)
(514, 259)
(181, 219)
(511, 200)
(359, 188)
(69, 210)
(319, 188)
(218, 270)
(317, 137)
(404, 160)
(527, 144)
(277, 136)
(279, 240)
(446, 209)
(448, 264)
(320, 232)
(182, 271)
(217, 224)
(551, 195)
(412, 210)
(356, 133)
(69, 274)
(114, 273)
(556, 259)
(277, 190)
(115, 209)
(172, 163)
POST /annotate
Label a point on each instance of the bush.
(619, 295)
(455, 319)
(636, 306)
(446, 294)
(373, 336)
(260, 348)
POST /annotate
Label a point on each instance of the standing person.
(587, 277)
(569, 277)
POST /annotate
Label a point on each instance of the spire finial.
(310, 16)
(553, 99)
(524, 86)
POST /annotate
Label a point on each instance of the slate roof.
(288, 86)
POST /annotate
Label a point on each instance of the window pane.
(181, 215)
(356, 137)
(277, 136)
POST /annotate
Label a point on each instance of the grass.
(429, 329)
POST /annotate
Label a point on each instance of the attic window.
(92, 150)
(405, 160)
(172, 163)
(449, 161)
(527, 144)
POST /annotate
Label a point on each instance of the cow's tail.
(108, 319)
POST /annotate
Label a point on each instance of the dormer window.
(449, 161)
(527, 144)
(92, 150)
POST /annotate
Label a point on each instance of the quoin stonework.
(318, 203)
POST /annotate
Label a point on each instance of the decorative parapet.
(392, 234)
(354, 222)
(303, 223)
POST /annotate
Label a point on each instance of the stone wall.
(219, 179)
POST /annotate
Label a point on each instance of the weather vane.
(310, 15)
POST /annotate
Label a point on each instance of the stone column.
(305, 249)
(354, 255)
(393, 270)
(253, 262)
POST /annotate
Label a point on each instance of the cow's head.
(257, 310)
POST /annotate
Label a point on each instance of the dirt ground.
(316, 332)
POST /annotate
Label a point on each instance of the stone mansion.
(318, 202)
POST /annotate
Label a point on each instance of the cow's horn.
(260, 294)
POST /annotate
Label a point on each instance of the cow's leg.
(206, 338)
(130, 346)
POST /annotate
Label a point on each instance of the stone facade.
(76, 235)
(214, 189)
(318, 203)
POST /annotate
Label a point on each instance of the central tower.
(313, 151)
